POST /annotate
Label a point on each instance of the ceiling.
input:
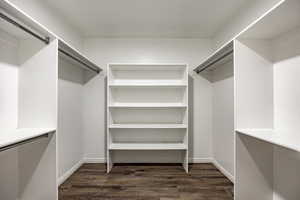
(146, 18)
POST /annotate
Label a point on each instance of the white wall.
(248, 14)
(8, 114)
(8, 82)
(223, 124)
(70, 136)
(190, 51)
(42, 12)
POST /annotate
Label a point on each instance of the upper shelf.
(20, 136)
(273, 137)
(69, 52)
(23, 26)
(219, 57)
(9, 10)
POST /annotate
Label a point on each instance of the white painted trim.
(223, 170)
(71, 171)
(94, 160)
(201, 160)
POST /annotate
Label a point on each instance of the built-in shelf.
(149, 83)
(146, 146)
(72, 54)
(149, 126)
(273, 137)
(152, 97)
(19, 135)
(148, 105)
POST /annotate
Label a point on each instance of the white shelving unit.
(267, 106)
(33, 109)
(28, 111)
(147, 97)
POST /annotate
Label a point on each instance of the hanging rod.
(218, 55)
(46, 40)
(79, 61)
(23, 142)
(215, 61)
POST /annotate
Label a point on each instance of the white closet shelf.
(147, 146)
(152, 83)
(23, 134)
(148, 126)
(148, 105)
(272, 136)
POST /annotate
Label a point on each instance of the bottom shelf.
(147, 146)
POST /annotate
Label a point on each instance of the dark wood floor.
(146, 182)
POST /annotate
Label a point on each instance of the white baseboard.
(94, 160)
(200, 160)
(71, 171)
(223, 170)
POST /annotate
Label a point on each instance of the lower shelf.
(285, 140)
(147, 146)
(20, 135)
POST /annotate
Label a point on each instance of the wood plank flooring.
(146, 182)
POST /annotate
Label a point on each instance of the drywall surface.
(8, 114)
(237, 23)
(8, 82)
(9, 174)
(286, 83)
(223, 124)
(69, 132)
(286, 174)
(190, 51)
(48, 17)
(254, 86)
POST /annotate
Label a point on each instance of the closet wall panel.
(38, 89)
(70, 125)
(8, 113)
(38, 109)
(223, 123)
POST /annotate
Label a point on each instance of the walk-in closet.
(144, 100)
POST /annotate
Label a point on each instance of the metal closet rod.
(23, 142)
(46, 40)
(215, 61)
(27, 30)
(78, 60)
